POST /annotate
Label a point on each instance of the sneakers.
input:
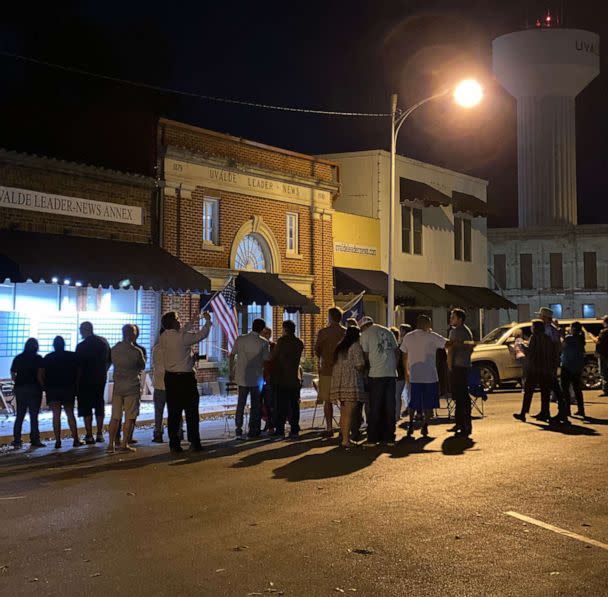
(77, 443)
(99, 439)
(89, 440)
(38, 444)
(17, 445)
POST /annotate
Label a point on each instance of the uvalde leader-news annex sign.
(69, 206)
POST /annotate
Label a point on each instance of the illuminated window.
(295, 317)
(250, 255)
(589, 311)
(557, 310)
(292, 234)
(210, 221)
(462, 239)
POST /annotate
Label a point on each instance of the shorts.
(324, 391)
(127, 404)
(63, 396)
(90, 398)
(424, 396)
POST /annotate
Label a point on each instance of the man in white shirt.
(180, 382)
(419, 350)
(380, 348)
(129, 362)
(247, 358)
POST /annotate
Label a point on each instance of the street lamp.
(467, 94)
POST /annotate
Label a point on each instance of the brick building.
(79, 243)
(230, 205)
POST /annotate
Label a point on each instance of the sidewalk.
(210, 407)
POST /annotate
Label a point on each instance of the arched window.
(252, 255)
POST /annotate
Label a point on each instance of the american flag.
(223, 306)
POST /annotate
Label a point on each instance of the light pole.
(467, 94)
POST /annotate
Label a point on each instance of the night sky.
(336, 55)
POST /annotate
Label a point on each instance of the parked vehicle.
(496, 359)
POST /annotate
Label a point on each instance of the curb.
(140, 423)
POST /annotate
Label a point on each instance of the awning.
(263, 288)
(413, 190)
(94, 262)
(432, 295)
(465, 203)
(479, 296)
(353, 281)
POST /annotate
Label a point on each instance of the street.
(425, 517)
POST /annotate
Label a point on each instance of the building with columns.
(549, 259)
(231, 207)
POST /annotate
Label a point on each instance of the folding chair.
(477, 392)
(7, 398)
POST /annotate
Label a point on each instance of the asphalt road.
(426, 517)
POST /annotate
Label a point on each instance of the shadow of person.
(567, 429)
(406, 446)
(594, 421)
(326, 465)
(286, 449)
(456, 446)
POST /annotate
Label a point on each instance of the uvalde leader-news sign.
(70, 206)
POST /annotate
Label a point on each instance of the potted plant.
(309, 369)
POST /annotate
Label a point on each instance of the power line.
(224, 100)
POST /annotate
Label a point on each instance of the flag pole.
(217, 292)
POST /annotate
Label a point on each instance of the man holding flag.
(180, 382)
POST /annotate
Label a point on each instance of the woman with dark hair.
(28, 393)
(58, 375)
(347, 383)
(572, 363)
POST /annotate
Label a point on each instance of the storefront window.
(36, 297)
(7, 297)
(123, 301)
(295, 317)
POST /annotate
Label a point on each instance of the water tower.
(545, 68)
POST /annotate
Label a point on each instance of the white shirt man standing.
(419, 350)
(128, 362)
(247, 358)
(180, 382)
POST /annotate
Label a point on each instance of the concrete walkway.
(210, 407)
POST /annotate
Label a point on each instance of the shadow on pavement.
(326, 465)
(567, 429)
(594, 421)
(456, 446)
(406, 446)
(285, 449)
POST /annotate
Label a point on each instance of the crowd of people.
(366, 370)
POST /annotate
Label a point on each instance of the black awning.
(353, 281)
(432, 295)
(263, 288)
(94, 262)
(413, 190)
(480, 297)
(465, 203)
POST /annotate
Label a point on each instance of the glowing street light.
(467, 94)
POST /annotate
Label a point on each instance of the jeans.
(381, 424)
(255, 415)
(182, 395)
(459, 383)
(28, 397)
(603, 363)
(160, 399)
(399, 386)
(571, 378)
(287, 408)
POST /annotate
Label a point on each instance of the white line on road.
(15, 497)
(550, 527)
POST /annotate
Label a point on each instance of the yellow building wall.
(356, 241)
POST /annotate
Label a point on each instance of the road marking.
(15, 497)
(550, 527)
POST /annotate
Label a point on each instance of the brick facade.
(75, 180)
(183, 207)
